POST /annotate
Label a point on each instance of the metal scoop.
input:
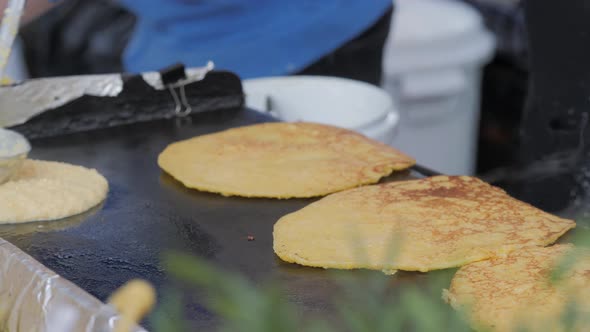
(8, 30)
(14, 148)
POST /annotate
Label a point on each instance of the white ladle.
(14, 148)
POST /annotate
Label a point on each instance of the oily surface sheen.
(516, 291)
(280, 160)
(44, 190)
(417, 225)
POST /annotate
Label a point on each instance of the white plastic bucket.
(432, 67)
(335, 101)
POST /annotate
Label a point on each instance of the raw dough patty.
(44, 190)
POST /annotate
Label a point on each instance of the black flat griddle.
(147, 212)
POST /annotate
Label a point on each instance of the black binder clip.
(174, 77)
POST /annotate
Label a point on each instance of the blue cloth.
(250, 37)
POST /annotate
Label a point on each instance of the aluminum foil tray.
(146, 213)
(25, 100)
(34, 298)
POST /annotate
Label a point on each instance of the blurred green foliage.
(367, 302)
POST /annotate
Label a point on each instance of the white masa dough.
(45, 190)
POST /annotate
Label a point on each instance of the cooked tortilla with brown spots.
(417, 225)
(507, 293)
(280, 160)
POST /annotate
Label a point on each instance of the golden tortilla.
(416, 225)
(280, 160)
(45, 190)
(507, 293)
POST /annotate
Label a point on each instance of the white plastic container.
(432, 67)
(336, 101)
